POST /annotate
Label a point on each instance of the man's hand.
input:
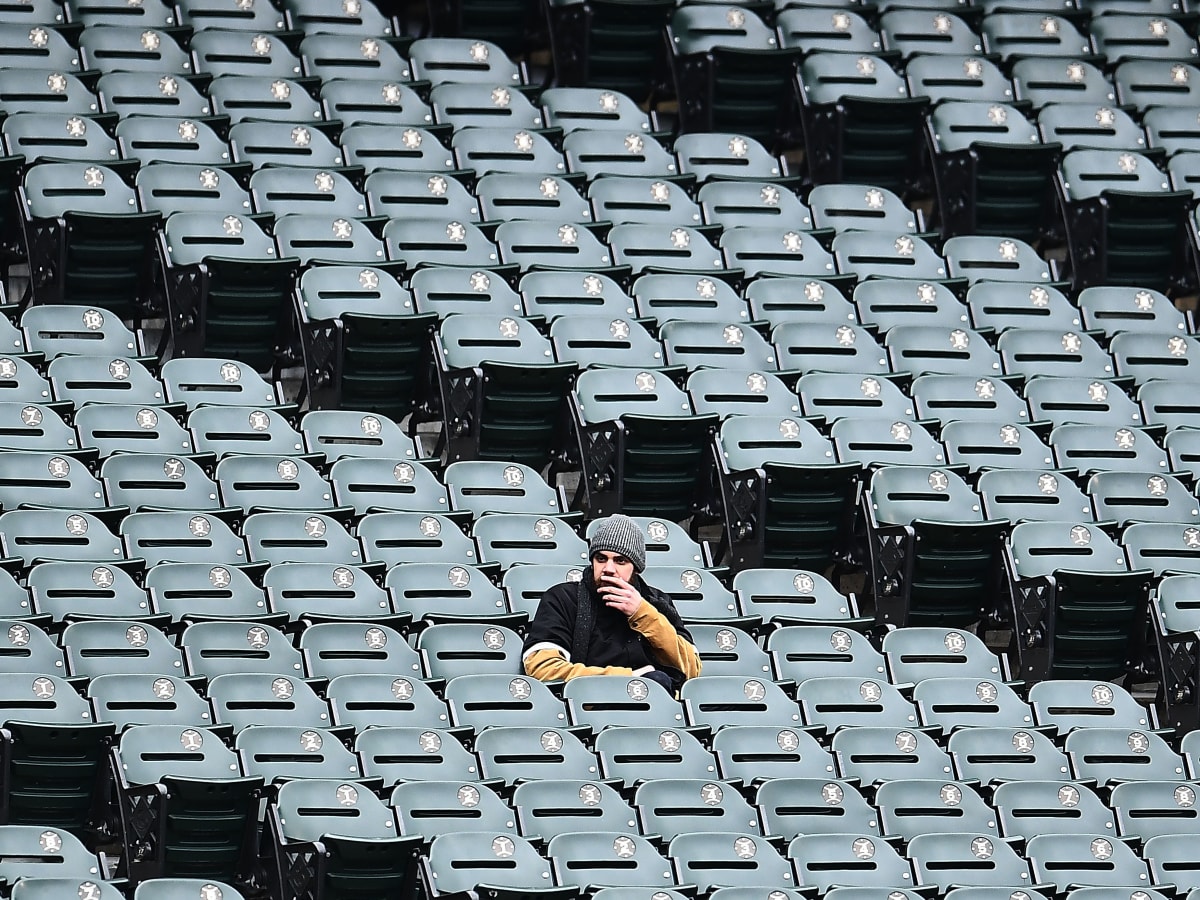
(618, 593)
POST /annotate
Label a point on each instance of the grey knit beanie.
(620, 534)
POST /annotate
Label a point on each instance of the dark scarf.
(587, 601)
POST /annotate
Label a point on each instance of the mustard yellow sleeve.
(546, 662)
(670, 648)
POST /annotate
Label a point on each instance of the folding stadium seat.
(887, 303)
(325, 239)
(848, 860)
(49, 93)
(476, 105)
(1127, 497)
(595, 152)
(98, 647)
(1032, 495)
(122, 48)
(911, 808)
(132, 699)
(218, 52)
(720, 156)
(801, 653)
(1144, 84)
(1155, 355)
(20, 380)
(282, 191)
(356, 835)
(1085, 859)
(112, 428)
(212, 649)
(402, 753)
(519, 753)
(951, 77)
(995, 445)
(170, 187)
(1162, 547)
(377, 102)
(1080, 126)
(596, 702)
(471, 861)
(247, 98)
(655, 439)
(697, 345)
(40, 12)
(713, 858)
(54, 757)
(794, 597)
(375, 484)
(792, 806)
(914, 654)
(276, 537)
(1169, 856)
(189, 592)
(341, 433)
(38, 479)
(728, 651)
(731, 74)
(494, 699)
(1062, 400)
(38, 851)
(216, 382)
(868, 254)
(185, 132)
(426, 809)
(816, 29)
(546, 809)
(951, 576)
(736, 204)
(836, 702)
(829, 348)
(353, 57)
(979, 258)
(339, 648)
(573, 108)
(1075, 599)
(530, 245)
(666, 296)
(1091, 448)
(1122, 37)
(862, 440)
(429, 593)
(396, 194)
(524, 585)
(500, 149)
(1015, 35)
(1183, 449)
(767, 753)
(278, 752)
(395, 537)
(103, 256)
(395, 146)
(966, 398)
(37, 47)
(1116, 310)
(261, 483)
(57, 329)
(912, 33)
(784, 496)
(859, 104)
(1174, 627)
(222, 430)
(1043, 81)
(1171, 130)
(608, 44)
(1028, 808)
(33, 426)
(32, 535)
(197, 802)
(73, 591)
(965, 858)
(719, 701)
(263, 143)
(998, 305)
(994, 755)
(623, 199)
(1044, 351)
(660, 248)
(441, 60)
(540, 197)
(227, 288)
(581, 339)
(446, 291)
(992, 173)
(463, 648)
(421, 242)
(181, 536)
(1144, 810)
(48, 887)
(966, 702)
(104, 379)
(1142, 225)
(327, 592)
(364, 700)
(26, 647)
(505, 539)
(633, 754)
(502, 397)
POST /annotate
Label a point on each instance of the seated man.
(611, 622)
